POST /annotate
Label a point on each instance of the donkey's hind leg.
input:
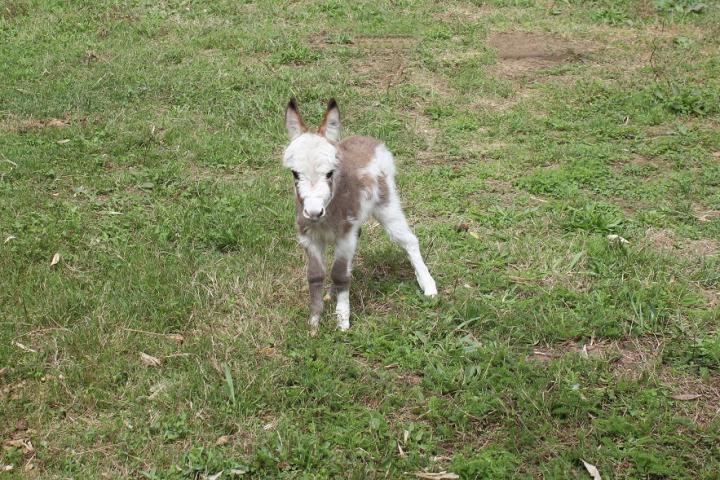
(392, 218)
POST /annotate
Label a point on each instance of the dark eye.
(296, 175)
(329, 174)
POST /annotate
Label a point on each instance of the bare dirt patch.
(383, 60)
(522, 53)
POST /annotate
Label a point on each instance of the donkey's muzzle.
(313, 214)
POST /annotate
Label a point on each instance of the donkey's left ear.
(330, 126)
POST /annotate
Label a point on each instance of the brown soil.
(521, 53)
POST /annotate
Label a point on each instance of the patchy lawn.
(559, 161)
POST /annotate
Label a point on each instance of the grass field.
(559, 161)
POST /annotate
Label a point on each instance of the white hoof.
(429, 288)
(314, 322)
(343, 321)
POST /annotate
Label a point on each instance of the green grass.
(159, 185)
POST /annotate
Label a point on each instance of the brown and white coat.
(338, 186)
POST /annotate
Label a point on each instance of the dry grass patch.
(705, 215)
(15, 124)
(669, 242)
(640, 359)
(465, 13)
(628, 358)
(695, 398)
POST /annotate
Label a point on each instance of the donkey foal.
(338, 185)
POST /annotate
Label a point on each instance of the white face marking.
(312, 160)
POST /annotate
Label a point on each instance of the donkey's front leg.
(344, 252)
(316, 280)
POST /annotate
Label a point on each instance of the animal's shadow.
(382, 270)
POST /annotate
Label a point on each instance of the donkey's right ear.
(293, 121)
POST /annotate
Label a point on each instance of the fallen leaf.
(222, 440)
(10, 237)
(25, 445)
(437, 476)
(270, 425)
(157, 389)
(63, 141)
(176, 337)
(6, 468)
(592, 470)
(686, 396)
(540, 356)
(23, 347)
(149, 360)
(55, 259)
(617, 238)
(268, 351)
(475, 235)
(708, 215)
(56, 122)
(216, 476)
(440, 458)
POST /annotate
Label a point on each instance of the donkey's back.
(366, 178)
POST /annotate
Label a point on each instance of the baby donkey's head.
(311, 156)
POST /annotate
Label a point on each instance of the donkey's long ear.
(330, 126)
(293, 121)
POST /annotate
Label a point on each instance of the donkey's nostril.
(322, 213)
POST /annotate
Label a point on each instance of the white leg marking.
(343, 310)
(392, 218)
(342, 266)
